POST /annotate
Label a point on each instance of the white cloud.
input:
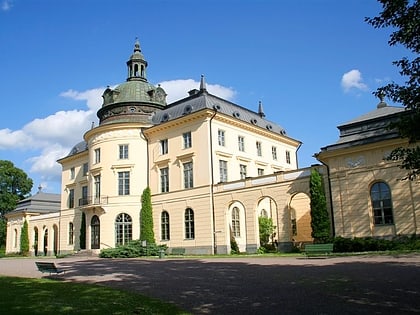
(51, 138)
(353, 80)
(6, 5)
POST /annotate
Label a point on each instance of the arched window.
(71, 233)
(189, 223)
(123, 229)
(380, 196)
(164, 226)
(95, 226)
(15, 238)
(236, 223)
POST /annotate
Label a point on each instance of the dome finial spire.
(203, 87)
(260, 110)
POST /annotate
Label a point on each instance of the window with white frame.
(241, 143)
(164, 146)
(164, 226)
(71, 198)
(223, 171)
(71, 233)
(287, 157)
(97, 186)
(221, 137)
(164, 179)
(188, 175)
(97, 155)
(380, 196)
(259, 149)
(236, 222)
(123, 183)
(242, 171)
(189, 224)
(123, 229)
(123, 151)
(274, 153)
(187, 139)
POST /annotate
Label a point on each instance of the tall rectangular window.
(164, 146)
(97, 156)
(123, 151)
(164, 226)
(188, 175)
(260, 172)
(187, 139)
(84, 200)
(123, 183)
(189, 224)
(71, 198)
(85, 169)
(288, 157)
(223, 171)
(274, 153)
(259, 150)
(221, 137)
(97, 183)
(164, 179)
(72, 173)
(71, 233)
(242, 171)
(241, 143)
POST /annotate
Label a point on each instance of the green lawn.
(46, 296)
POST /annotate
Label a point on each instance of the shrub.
(370, 244)
(234, 248)
(132, 249)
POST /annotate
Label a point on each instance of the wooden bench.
(318, 249)
(48, 267)
(178, 251)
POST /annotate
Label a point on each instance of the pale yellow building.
(214, 168)
(369, 197)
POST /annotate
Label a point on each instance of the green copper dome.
(134, 97)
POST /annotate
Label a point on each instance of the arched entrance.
(267, 209)
(55, 239)
(300, 218)
(95, 227)
(35, 241)
(45, 247)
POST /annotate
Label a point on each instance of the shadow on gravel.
(206, 287)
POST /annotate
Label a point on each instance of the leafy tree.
(267, 229)
(320, 221)
(403, 17)
(3, 227)
(15, 185)
(24, 239)
(146, 218)
(82, 238)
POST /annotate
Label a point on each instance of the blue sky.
(312, 63)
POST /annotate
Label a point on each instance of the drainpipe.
(212, 185)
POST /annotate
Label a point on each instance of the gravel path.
(254, 285)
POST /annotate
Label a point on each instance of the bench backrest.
(45, 266)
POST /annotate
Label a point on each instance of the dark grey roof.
(40, 202)
(199, 100)
(80, 147)
(368, 128)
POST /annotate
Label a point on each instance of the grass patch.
(46, 296)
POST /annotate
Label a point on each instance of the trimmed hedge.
(370, 244)
(132, 250)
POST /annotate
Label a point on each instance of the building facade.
(213, 168)
(370, 196)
